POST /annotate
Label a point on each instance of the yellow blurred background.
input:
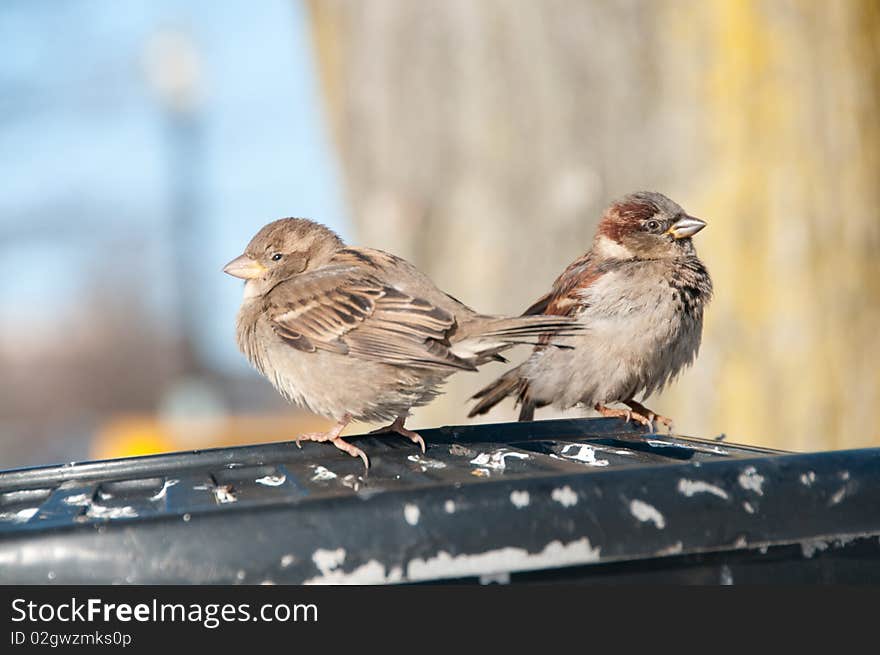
(481, 141)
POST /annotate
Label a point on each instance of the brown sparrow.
(639, 293)
(356, 333)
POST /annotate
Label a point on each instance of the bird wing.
(565, 297)
(348, 310)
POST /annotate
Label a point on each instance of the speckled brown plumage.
(639, 293)
(356, 333)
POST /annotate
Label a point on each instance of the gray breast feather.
(644, 323)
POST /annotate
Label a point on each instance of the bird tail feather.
(495, 392)
(523, 327)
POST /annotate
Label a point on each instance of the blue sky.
(84, 148)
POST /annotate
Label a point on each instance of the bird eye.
(652, 225)
(276, 256)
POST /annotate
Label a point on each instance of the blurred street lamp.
(173, 70)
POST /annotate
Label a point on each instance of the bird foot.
(397, 427)
(625, 414)
(652, 416)
(333, 437)
(337, 441)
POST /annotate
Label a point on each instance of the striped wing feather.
(346, 311)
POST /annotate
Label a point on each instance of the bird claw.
(641, 419)
(637, 413)
(625, 414)
(398, 428)
(352, 450)
(337, 441)
(333, 437)
(649, 416)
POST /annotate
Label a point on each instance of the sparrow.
(359, 334)
(639, 294)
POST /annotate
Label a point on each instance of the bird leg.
(652, 416)
(397, 427)
(625, 414)
(332, 435)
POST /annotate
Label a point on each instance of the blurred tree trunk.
(481, 140)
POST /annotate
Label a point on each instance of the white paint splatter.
(519, 499)
(373, 572)
(583, 453)
(159, 495)
(460, 451)
(495, 578)
(497, 460)
(328, 560)
(322, 473)
(808, 478)
(351, 481)
(726, 575)
(674, 549)
(698, 447)
(224, 494)
(691, 487)
(272, 480)
(749, 479)
(838, 496)
(565, 496)
(78, 500)
(426, 462)
(287, 560)
(104, 512)
(449, 507)
(813, 546)
(645, 512)
(411, 513)
(664, 444)
(503, 560)
(21, 516)
(747, 506)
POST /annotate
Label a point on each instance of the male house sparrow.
(639, 293)
(356, 333)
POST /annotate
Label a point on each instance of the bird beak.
(685, 227)
(245, 268)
